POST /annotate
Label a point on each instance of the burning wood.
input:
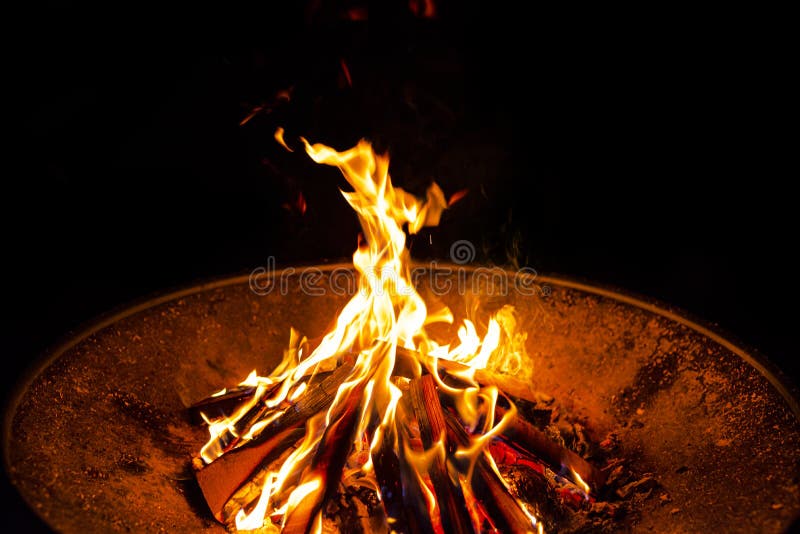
(228, 439)
(315, 399)
(326, 469)
(419, 515)
(428, 411)
(246, 496)
(222, 477)
(527, 435)
(376, 421)
(222, 404)
(387, 473)
(506, 512)
(508, 384)
(534, 440)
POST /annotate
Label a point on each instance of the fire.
(279, 132)
(384, 321)
(581, 483)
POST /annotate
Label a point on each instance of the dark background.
(646, 151)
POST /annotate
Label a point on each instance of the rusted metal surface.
(99, 440)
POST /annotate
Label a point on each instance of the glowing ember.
(370, 410)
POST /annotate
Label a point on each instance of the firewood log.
(503, 508)
(221, 405)
(222, 477)
(250, 491)
(326, 468)
(528, 435)
(417, 517)
(530, 438)
(428, 411)
(508, 384)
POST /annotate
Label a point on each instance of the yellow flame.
(581, 483)
(255, 519)
(385, 313)
(304, 490)
(298, 391)
(422, 460)
(251, 380)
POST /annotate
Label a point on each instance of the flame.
(581, 483)
(279, 133)
(384, 318)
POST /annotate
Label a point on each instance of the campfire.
(405, 402)
(379, 424)
(684, 423)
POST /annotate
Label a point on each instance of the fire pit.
(98, 440)
(416, 409)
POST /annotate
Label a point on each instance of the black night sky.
(648, 156)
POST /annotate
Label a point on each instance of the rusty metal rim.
(787, 390)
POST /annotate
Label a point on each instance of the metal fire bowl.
(98, 439)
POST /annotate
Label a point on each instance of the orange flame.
(386, 313)
(279, 138)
